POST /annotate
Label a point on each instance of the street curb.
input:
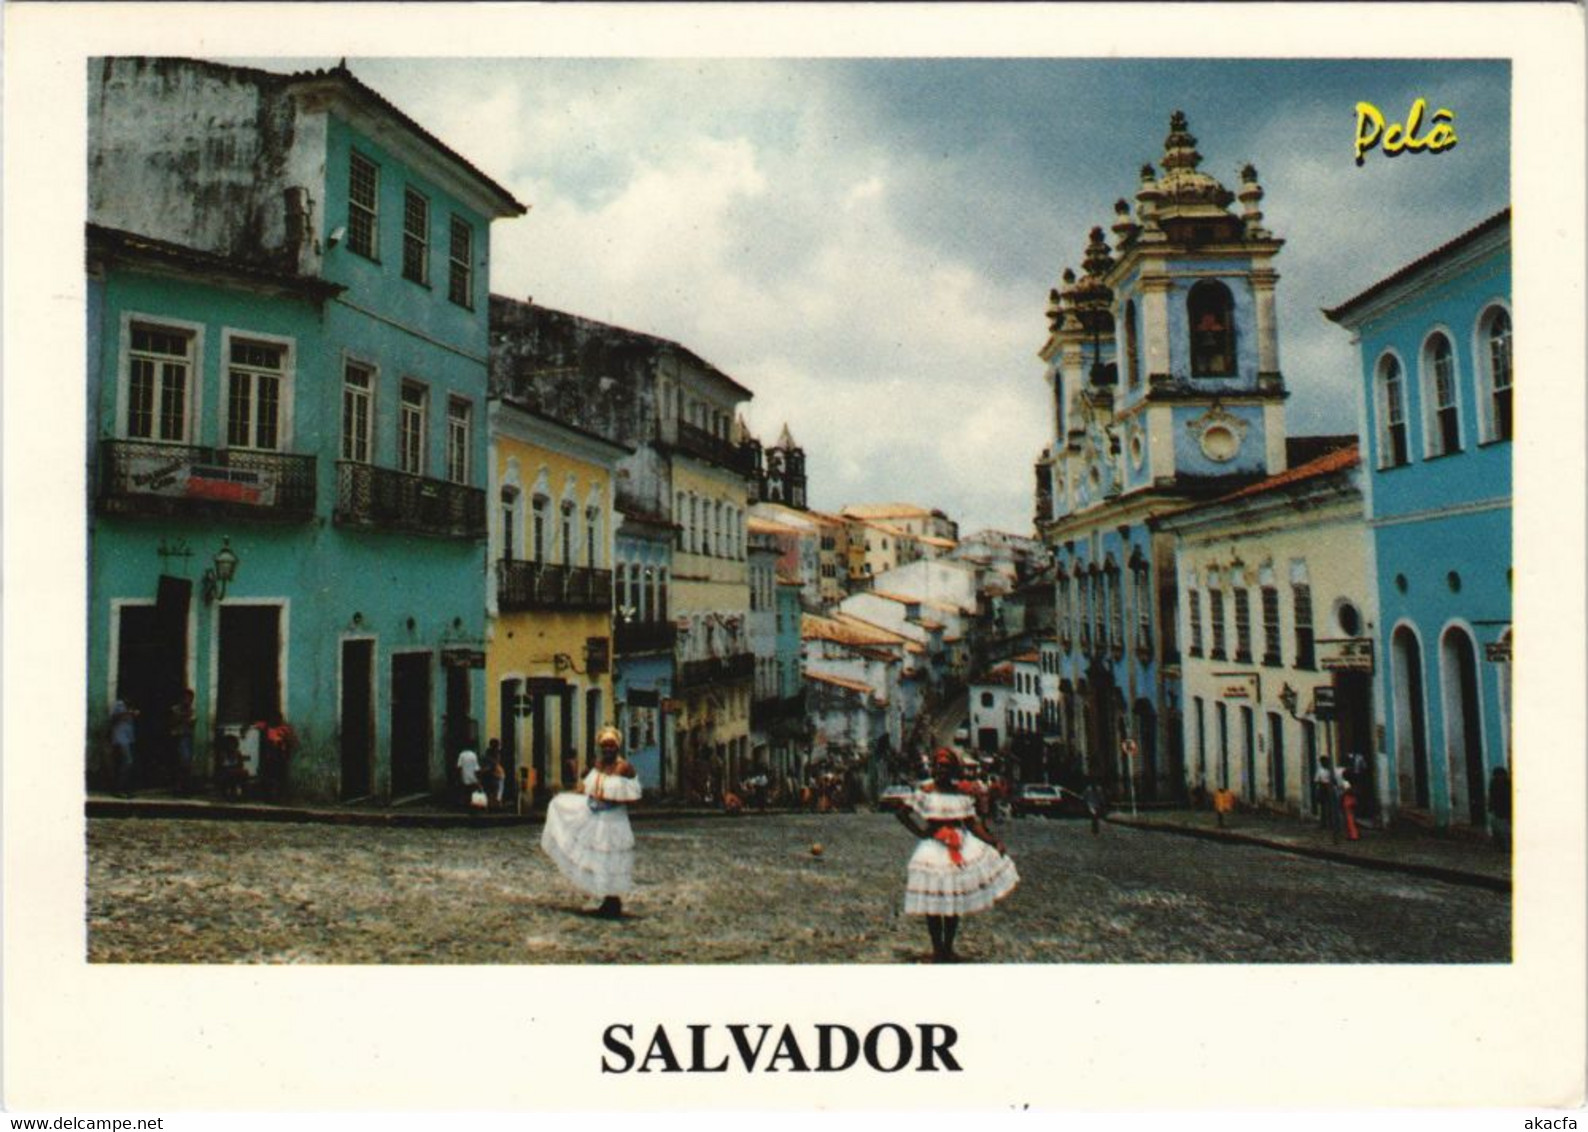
(291, 815)
(1432, 872)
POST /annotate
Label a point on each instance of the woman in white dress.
(958, 867)
(587, 829)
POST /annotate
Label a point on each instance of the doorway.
(151, 667)
(1463, 726)
(1276, 755)
(1249, 735)
(410, 723)
(248, 665)
(356, 719)
(1411, 742)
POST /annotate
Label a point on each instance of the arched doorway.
(1144, 730)
(1458, 674)
(1411, 740)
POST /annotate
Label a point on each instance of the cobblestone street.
(746, 890)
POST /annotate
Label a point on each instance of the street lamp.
(224, 570)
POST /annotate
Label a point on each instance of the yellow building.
(711, 599)
(548, 653)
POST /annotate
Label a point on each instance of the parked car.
(1047, 800)
(895, 797)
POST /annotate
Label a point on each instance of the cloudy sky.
(869, 244)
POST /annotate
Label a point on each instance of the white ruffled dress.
(588, 835)
(936, 885)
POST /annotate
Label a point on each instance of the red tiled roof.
(1336, 461)
(840, 682)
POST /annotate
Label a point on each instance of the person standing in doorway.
(1323, 795)
(179, 725)
(123, 736)
(468, 773)
(1095, 802)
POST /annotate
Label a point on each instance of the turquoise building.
(1434, 340)
(287, 367)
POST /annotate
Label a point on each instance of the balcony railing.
(698, 442)
(644, 636)
(524, 585)
(367, 496)
(715, 669)
(147, 477)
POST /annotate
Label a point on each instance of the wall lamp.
(224, 570)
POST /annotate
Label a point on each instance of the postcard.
(717, 558)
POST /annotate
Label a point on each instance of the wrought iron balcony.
(644, 636)
(367, 496)
(715, 669)
(698, 442)
(524, 585)
(142, 477)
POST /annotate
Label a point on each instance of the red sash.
(951, 838)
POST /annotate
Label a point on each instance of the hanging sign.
(1346, 654)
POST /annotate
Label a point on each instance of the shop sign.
(1323, 702)
(177, 476)
(1237, 685)
(1499, 651)
(462, 658)
(1346, 654)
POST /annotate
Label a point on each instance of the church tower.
(785, 472)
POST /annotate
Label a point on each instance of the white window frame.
(460, 268)
(371, 210)
(194, 393)
(1381, 398)
(419, 239)
(1433, 434)
(232, 335)
(460, 440)
(403, 416)
(1483, 364)
(370, 396)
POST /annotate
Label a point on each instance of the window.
(1063, 611)
(660, 603)
(358, 398)
(1141, 598)
(416, 237)
(509, 522)
(1116, 610)
(254, 381)
(1439, 394)
(411, 427)
(460, 434)
(159, 365)
(1243, 625)
(1392, 415)
(1301, 594)
(1271, 626)
(1132, 351)
(1196, 620)
(1211, 310)
(460, 264)
(681, 516)
(592, 527)
(537, 529)
(1496, 357)
(363, 208)
(620, 593)
(1216, 613)
(567, 532)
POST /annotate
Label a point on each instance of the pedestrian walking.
(180, 721)
(123, 739)
(1348, 804)
(493, 774)
(1323, 794)
(1095, 801)
(587, 832)
(1500, 805)
(469, 777)
(958, 867)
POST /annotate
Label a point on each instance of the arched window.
(1392, 446)
(1494, 368)
(537, 531)
(1211, 311)
(1442, 413)
(510, 524)
(567, 532)
(1132, 350)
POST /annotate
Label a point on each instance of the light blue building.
(1163, 362)
(287, 391)
(644, 636)
(1435, 345)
